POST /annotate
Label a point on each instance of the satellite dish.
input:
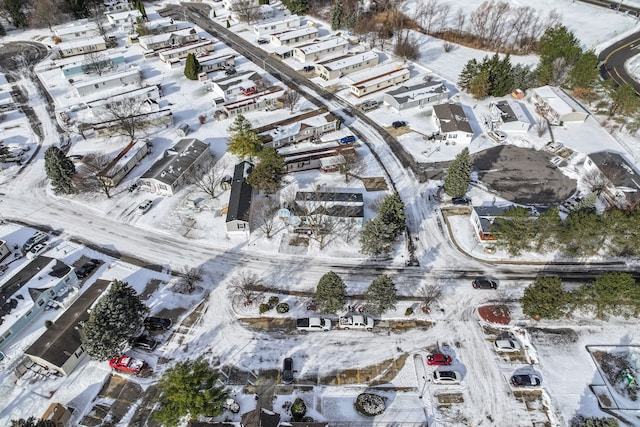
(295, 221)
(284, 213)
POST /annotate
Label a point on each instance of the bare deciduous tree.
(460, 19)
(263, 215)
(209, 175)
(244, 288)
(96, 63)
(349, 230)
(353, 166)
(595, 180)
(290, 98)
(96, 14)
(126, 114)
(560, 70)
(426, 13)
(46, 12)
(430, 293)
(246, 11)
(541, 126)
(442, 15)
(320, 224)
(188, 279)
(92, 176)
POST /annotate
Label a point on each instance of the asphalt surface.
(613, 58)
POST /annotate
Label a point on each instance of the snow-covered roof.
(176, 161)
(452, 118)
(348, 60)
(75, 28)
(419, 91)
(377, 75)
(159, 38)
(292, 34)
(117, 16)
(322, 45)
(107, 78)
(74, 44)
(511, 111)
(559, 100)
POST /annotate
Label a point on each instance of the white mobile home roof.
(378, 74)
(165, 36)
(108, 77)
(265, 26)
(342, 62)
(288, 35)
(78, 28)
(74, 44)
(559, 100)
(322, 45)
(186, 47)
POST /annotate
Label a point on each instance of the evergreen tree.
(336, 15)
(523, 77)
(297, 7)
(243, 141)
(381, 295)
(190, 389)
(545, 298)
(267, 175)
(612, 291)
(192, 67)
(582, 421)
(228, 24)
(32, 422)
(470, 70)
(556, 42)
(516, 230)
(376, 238)
(624, 100)
(458, 176)
(14, 10)
(331, 293)
(480, 85)
(584, 73)
(502, 78)
(581, 234)
(547, 227)
(143, 12)
(60, 170)
(78, 8)
(391, 213)
(115, 319)
(3, 32)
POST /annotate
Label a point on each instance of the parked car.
(446, 377)
(484, 284)
(398, 124)
(528, 380)
(86, 268)
(128, 364)
(262, 40)
(347, 139)
(287, 370)
(464, 201)
(308, 68)
(497, 135)
(144, 207)
(38, 237)
(369, 105)
(506, 345)
(157, 323)
(439, 359)
(230, 71)
(37, 250)
(145, 342)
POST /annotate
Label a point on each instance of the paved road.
(615, 56)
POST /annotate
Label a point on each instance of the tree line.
(612, 294)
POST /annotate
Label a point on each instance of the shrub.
(273, 301)
(370, 404)
(48, 324)
(447, 46)
(202, 119)
(408, 311)
(264, 308)
(298, 409)
(282, 308)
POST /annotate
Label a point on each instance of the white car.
(144, 207)
(507, 345)
(497, 135)
(446, 377)
(36, 250)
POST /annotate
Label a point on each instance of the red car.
(249, 91)
(128, 364)
(439, 359)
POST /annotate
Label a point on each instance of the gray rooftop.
(408, 93)
(617, 169)
(312, 196)
(241, 191)
(452, 118)
(176, 161)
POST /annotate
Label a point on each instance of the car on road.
(527, 380)
(439, 359)
(145, 342)
(398, 124)
(506, 345)
(86, 268)
(128, 364)
(497, 135)
(484, 284)
(157, 323)
(446, 377)
(460, 201)
(37, 250)
(287, 370)
(347, 139)
(144, 207)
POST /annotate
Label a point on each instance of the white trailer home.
(337, 67)
(261, 101)
(378, 79)
(294, 37)
(267, 28)
(315, 51)
(110, 81)
(202, 48)
(169, 40)
(426, 93)
(77, 31)
(216, 63)
(82, 46)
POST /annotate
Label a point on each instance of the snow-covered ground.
(174, 234)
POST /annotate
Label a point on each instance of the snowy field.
(174, 234)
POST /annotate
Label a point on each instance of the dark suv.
(157, 323)
(87, 268)
(144, 342)
(287, 370)
(484, 284)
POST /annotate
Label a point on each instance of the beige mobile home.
(378, 79)
(289, 23)
(82, 46)
(294, 37)
(337, 67)
(313, 52)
